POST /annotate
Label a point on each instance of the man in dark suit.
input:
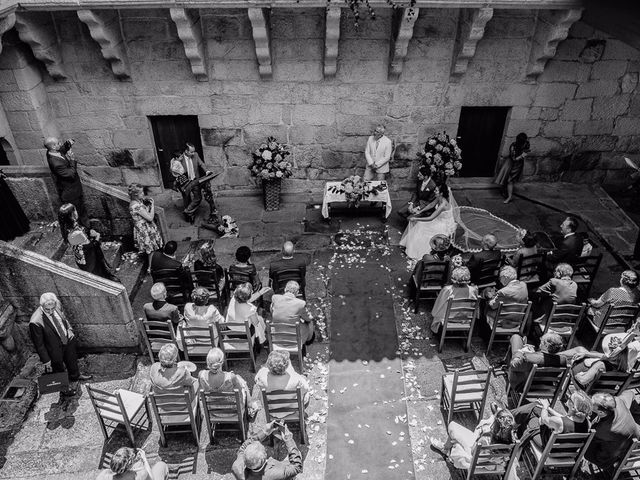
(571, 247)
(54, 340)
(522, 359)
(65, 175)
(288, 260)
(487, 254)
(165, 259)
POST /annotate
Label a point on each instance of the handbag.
(53, 382)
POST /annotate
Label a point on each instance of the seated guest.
(425, 194)
(459, 289)
(160, 310)
(253, 462)
(626, 294)
(214, 379)
(244, 267)
(240, 310)
(523, 357)
(199, 313)
(440, 247)
(288, 260)
(278, 374)
(288, 308)
(514, 291)
(208, 262)
(615, 429)
(487, 254)
(528, 246)
(571, 247)
(167, 376)
(132, 464)
(165, 259)
(560, 289)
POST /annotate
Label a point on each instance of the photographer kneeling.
(253, 462)
(131, 464)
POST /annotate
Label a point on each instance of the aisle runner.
(367, 434)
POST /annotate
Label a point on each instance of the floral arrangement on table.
(269, 161)
(357, 189)
(440, 158)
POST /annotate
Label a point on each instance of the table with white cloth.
(331, 200)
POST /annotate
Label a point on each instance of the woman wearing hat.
(460, 289)
(440, 247)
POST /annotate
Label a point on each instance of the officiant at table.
(378, 154)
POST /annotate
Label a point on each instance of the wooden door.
(480, 131)
(170, 133)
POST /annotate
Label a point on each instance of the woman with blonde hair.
(198, 313)
(214, 379)
(145, 232)
(168, 376)
(241, 310)
(460, 289)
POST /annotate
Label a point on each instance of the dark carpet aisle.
(367, 432)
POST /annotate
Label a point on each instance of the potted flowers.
(271, 165)
(356, 189)
(440, 159)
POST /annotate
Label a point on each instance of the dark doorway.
(480, 131)
(171, 133)
(4, 158)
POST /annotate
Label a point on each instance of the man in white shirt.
(378, 154)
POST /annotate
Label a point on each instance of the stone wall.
(582, 113)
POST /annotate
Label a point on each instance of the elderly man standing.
(65, 175)
(288, 308)
(54, 340)
(378, 155)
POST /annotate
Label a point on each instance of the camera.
(279, 424)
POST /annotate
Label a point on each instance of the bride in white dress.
(418, 233)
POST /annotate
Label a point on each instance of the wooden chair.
(176, 412)
(209, 280)
(613, 382)
(543, 382)
(465, 392)
(629, 466)
(565, 320)
(585, 270)
(236, 342)
(177, 283)
(197, 341)
(488, 272)
(224, 411)
(287, 406)
(512, 313)
(460, 318)
(561, 456)
(120, 408)
(616, 319)
(496, 459)
(286, 336)
(281, 277)
(530, 269)
(156, 334)
(232, 279)
(433, 276)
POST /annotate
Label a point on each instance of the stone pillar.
(24, 100)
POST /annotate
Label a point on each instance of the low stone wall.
(98, 309)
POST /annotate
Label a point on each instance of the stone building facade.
(308, 77)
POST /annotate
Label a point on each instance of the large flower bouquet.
(269, 161)
(356, 189)
(441, 158)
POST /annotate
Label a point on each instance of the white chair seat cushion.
(461, 396)
(132, 403)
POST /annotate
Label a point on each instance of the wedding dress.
(418, 234)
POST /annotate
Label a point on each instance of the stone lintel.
(552, 27)
(331, 41)
(6, 24)
(406, 20)
(470, 31)
(259, 18)
(36, 30)
(104, 27)
(190, 32)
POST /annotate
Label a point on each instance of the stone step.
(42, 238)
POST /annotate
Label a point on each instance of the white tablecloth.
(330, 197)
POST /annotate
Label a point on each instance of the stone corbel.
(189, 30)
(6, 24)
(36, 30)
(259, 18)
(104, 27)
(552, 27)
(331, 40)
(470, 31)
(401, 42)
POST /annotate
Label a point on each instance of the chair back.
(177, 283)
(465, 391)
(633, 380)
(173, 408)
(285, 405)
(544, 382)
(236, 342)
(434, 274)
(281, 277)
(197, 341)
(209, 280)
(512, 313)
(630, 463)
(609, 382)
(460, 317)
(222, 409)
(585, 270)
(108, 406)
(488, 272)
(495, 459)
(530, 265)
(563, 453)
(156, 334)
(286, 336)
(565, 320)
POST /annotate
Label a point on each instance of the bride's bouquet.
(441, 158)
(356, 189)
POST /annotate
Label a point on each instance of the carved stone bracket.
(190, 33)
(470, 32)
(259, 18)
(551, 28)
(331, 40)
(6, 24)
(36, 30)
(104, 27)
(401, 43)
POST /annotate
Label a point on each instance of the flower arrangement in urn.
(356, 189)
(269, 161)
(440, 158)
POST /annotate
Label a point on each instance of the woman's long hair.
(66, 220)
(504, 427)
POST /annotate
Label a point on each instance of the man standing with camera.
(65, 175)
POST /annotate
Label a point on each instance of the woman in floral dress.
(145, 231)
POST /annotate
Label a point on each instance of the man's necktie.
(189, 164)
(59, 326)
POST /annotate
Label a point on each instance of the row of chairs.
(180, 412)
(434, 275)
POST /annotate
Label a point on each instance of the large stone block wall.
(582, 113)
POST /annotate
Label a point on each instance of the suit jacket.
(273, 469)
(163, 313)
(287, 308)
(569, 251)
(379, 156)
(514, 292)
(522, 362)
(65, 177)
(45, 337)
(160, 261)
(560, 290)
(287, 263)
(476, 261)
(179, 167)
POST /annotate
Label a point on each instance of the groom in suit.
(378, 155)
(571, 247)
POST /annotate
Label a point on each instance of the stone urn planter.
(271, 194)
